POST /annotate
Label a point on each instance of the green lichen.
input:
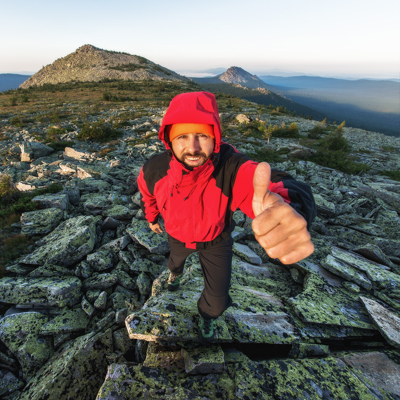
(321, 303)
(50, 291)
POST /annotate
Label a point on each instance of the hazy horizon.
(345, 39)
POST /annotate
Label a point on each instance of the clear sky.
(341, 38)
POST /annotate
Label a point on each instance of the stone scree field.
(85, 313)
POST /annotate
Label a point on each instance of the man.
(197, 184)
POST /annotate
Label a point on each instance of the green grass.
(395, 175)
(12, 204)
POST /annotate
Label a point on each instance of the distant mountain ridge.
(238, 82)
(369, 104)
(11, 81)
(91, 64)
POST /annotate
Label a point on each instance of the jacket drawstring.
(191, 191)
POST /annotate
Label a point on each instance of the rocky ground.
(85, 314)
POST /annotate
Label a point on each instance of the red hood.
(194, 107)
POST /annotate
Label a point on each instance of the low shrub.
(60, 145)
(99, 131)
(17, 121)
(11, 248)
(53, 132)
(333, 151)
(395, 175)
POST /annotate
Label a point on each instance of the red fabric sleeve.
(149, 203)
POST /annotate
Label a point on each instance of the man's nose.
(194, 144)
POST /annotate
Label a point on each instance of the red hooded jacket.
(197, 205)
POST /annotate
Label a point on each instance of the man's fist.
(279, 229)
(155, 227)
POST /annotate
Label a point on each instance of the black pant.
(216, 264)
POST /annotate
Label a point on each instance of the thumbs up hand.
(279, 229)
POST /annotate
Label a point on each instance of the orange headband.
(179, 129)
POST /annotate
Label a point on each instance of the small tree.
(340, 127)
(7, 188)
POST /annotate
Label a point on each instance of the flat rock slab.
(21, 334)
(320, 303)
(258, 317)
(255, 316)
(68, 321)
(53, 200)
(387, 322)
(204, 360)
(171, 316)
(246, 253)
(317, 379)
(49, 291)
(40, 222)
(76, 371)
(377, 371)
(67, 244)
(155, 243)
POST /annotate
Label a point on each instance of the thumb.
(261, 180)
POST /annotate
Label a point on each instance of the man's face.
(193, 149)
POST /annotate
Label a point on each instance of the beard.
(185, 156)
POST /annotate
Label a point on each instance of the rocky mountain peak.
(87, 48)
(238, 75)
(91, 64)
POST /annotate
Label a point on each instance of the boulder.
(21, 333)
(32, 150)
(76, 371)
(40, 222)
(53, 200)
(48, 292)
(155, 243)
(71, 241)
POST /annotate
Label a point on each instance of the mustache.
(195, 154)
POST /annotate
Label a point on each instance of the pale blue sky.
(344, 38)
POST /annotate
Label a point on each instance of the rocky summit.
(91, 64)
(84, 309)
(239, 76)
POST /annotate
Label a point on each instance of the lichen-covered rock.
(50, 270)
(53, 200)
(246, 253)
(387, 322)
(101, 301)
(377, 371)
(101, 260)
(76, 371)
(94, 203)
(119, 212)
(32, 150)
(40, 222)
(122, 342)
(100, 281)
(144, 284)
(159, 357)
(318, 379)
(147, 266)
(21, 333)
(9, 383)
(321, 303)
(50, 291)
(67, 244)
(140, 232)
(205, 360)
(74, 320)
